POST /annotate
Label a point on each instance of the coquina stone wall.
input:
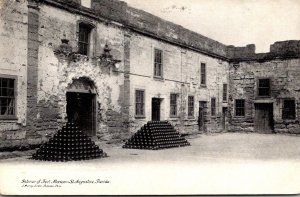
(181, 75)
(32, 32)
(282, 66)
(13, 64)
(57, 72)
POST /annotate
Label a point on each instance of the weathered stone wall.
(241, 52)
(57, 73)
(181, 75)
(285, 81)
(148, 23)
(13, 63)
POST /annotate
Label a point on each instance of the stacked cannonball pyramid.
(156, 135)
(68, 144)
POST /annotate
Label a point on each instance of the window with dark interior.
(7, 98)
(158, 63)
(139, 103)
(191, 106)
(224, 92)
(213, 106)
(264, 87)
(173, 105)
(84, 38)
(289, 109)
(203, 74)
(240, 107)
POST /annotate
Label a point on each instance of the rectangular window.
(191, 106)
(289, 109)
(264, 87)
(203, 74)
(7, 98)
(224, 92)
(213, 106)
(84, 39)
(140, 103)
(173, 105)
(240, 107)
(158, 63)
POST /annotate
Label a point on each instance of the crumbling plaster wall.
(56, 73)
(13, 62)
(285, 83)
(181, 75)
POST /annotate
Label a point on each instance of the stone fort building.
(113, 68)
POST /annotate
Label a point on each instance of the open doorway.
(156, 109)
(202, 115)
(81, 111)
(224, 118)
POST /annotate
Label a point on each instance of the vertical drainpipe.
(181, 89)
(32, 66)
(126, 103)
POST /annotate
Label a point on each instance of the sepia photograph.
(149, 97)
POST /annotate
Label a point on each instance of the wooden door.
(263, 122)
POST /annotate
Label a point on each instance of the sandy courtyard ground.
(228, 163)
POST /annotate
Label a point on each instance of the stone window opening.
(225, 92)
(158, 63)
(140, 103)
(264, 87)
(191, 106)
(240, 107)
(289, 109)
(173, 105)
(86, 39)
(203, 74)
(7, 98)
(213, 106)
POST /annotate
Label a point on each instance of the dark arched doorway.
(81, 105)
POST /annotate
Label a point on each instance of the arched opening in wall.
(81, 105)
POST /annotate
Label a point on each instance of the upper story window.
(173, 105)
(289, 109)
(239, 107)
(203, 74)
(158, 63)
(213, 106)
(7, 98)
(140, 103)
(191, 106)
(224, 92)
(264, 87)
(84, 39)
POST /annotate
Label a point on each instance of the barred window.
(203, 74)
(289, 109)
(7, 97)
(240, 107)
(158, 63)
(139, 103)
(191, 106)
(224, 92)
(173, 105)
(84, 38)
(264, 87)
(213, 106)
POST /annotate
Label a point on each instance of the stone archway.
(81, 105)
